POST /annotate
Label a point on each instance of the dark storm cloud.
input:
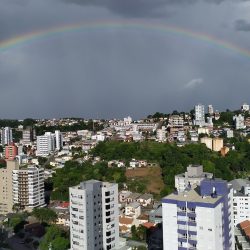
(242, 25)
(132, 8)
(115, 72)
(215, 1)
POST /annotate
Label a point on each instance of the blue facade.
(217, 189)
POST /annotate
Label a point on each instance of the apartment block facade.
(48, 143)
(241, 200)
(199, 218)
(6, 191)
(28, 187)
(199, 114)
(94, 217)
(6, 136)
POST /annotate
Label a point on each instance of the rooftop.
(192, 195)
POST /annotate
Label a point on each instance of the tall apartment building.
(199, 119)
(210, 109)
(48, 143)
(29, 135)
(11, 151)
(94, 214)
(28, 187)
(45, 144)
(241, 200)
(6, 136)
(239, 122)
(193, 176)
(161, 134)
(58, 140)
(199, 218)
(6, 194)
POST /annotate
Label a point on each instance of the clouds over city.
(113, 71)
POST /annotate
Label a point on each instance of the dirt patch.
(151, 175)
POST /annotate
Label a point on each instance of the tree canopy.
(56, 238)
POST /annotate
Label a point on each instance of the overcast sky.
(115, 72)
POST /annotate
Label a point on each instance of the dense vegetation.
(174, 160)
(55, 238)
(73, 173)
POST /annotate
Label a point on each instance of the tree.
(60, 243)
(42, 160)
(45, 215)
(133, 232)
(56, 238)
(17, 207)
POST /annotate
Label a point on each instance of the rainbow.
(23, 39)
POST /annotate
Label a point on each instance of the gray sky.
(106, 73)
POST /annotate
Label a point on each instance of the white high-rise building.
(29, 135)
(45, 144)
(94, 216)
(6, 136)
(59, 140)
(161, 134)
(199, 115)
(210, 109)
(241, 200)
(199, 218)
(239, 121)
(28, 187)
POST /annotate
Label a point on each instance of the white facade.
(161, 134)
(199, 115)
(6, 136)
(230, 133)
(245, 107)
(193, 176)
(28, 187)
(94, 221)
(45, 144)
(196, 220)
(59, 140)
(210, 109)
(239, 121)
(241, 200)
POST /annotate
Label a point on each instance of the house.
(123, 195)
(63, 219)
(133, 210)
(155, 215)
(145, 199)
(133, 164)
(133, 197)
(143, 218)
(142, 163)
